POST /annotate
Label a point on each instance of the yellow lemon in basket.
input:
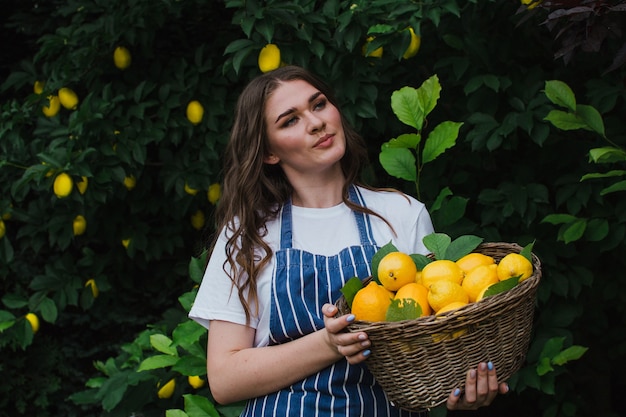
(452, 306)
(444, 292)
(481, 294)
(371, 302)
(474, 259)
(514, 265)
(395, 270)
(479, 278)
(416, 292)
(439, 270)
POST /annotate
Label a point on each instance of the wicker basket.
(419, 362)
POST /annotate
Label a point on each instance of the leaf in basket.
(380, 254)
(501, 286)
(527, 251)
(405, 309)
(437, 243)
(420, 260)
(351, 287)
(461, 246)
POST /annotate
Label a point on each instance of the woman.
(295, 226)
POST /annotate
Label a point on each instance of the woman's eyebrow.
(293, 109)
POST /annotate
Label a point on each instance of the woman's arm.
(237, 371)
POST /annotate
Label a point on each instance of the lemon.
(414, 46)
(416, 292)
(441, 269)
(376, 53)
(269, 58)
(53, 107)
(121, 57)
(371, 302)
(474, 259)
(130, 182)
(395, 270)
(82, 184)
(91, 283)
(478, 279)
(195, 381)
(63, 185)
(34, 321)
(68, 98)
(214, 193)
(189, 190)
(452, 306)
(167, 390)
(514, 265)
(38, 87)
(125, 243)
(79, 225)
(197, 220)
(3, 229)
(195, 112)
(443, 292)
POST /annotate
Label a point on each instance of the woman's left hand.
(481, 387)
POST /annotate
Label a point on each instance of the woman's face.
(304, 130)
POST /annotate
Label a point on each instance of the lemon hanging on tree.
(167, 390)
(269, 58)
(214, 193)
(38, 87)
(195, 381)
(63, 185)
(82, 185)
(53, 107)
(79, 225)
(34, 321)
(3, 229)
(121, 57)
(68, 98)
(414, 46)
(195, 112)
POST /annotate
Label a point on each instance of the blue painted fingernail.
(366, 352)
(457, 392)
(350, 318)
(490, 365)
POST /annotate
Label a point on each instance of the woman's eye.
(320, 104)
(290, 121)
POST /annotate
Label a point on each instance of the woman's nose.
(315, 123)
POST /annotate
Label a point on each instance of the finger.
(337, 325)
(359, 357)
(470, 388)
(482, 381)
(329, 310)
(453, 399)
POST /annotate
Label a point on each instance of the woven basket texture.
(419, 362)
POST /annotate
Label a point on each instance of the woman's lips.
(325, 141)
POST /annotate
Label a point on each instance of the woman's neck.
(318, 193)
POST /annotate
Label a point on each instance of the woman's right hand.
(354, 346)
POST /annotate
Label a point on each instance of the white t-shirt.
(323, 231)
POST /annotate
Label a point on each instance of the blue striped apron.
(302, 283)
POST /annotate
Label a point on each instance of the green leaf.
(428, 94)
(607, 154)
(501, 287)
(442, 137)
(199, 406)
(566, 121)
(610, 174)
(398, 162)
(197, 266)
(560, 94)
(572, 353)
(420, 260)
(544, 366)
(405, 309)
(592, 118)
(175, 413)
(574, 231)
(527, 251)
(163, 344)
(437, 244)
(559, 218)
(406, 106)
(618, 186)
(351, 287)
(157, 362)
(49, 311)
(461, 246)
(190, 365)
(443, 194)
(407, 140)
(380, 254)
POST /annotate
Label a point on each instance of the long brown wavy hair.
(254, 191)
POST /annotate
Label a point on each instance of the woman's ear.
(271, 159)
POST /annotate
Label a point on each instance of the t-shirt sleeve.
(216, 298)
